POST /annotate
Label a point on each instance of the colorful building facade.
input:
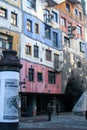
(73, 39)
(41, 53)
(49, 38)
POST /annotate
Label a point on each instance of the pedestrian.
(86, 114)
(49, 111)
(57, 109)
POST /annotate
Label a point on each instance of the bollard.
(9, 81)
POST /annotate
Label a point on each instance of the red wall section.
(39, 87)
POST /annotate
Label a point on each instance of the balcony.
(48, 19)
(71, 31)
(73, 1)
(51, 3)
(58, 65)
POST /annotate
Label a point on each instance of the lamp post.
(9, 81)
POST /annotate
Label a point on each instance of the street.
(63, 121)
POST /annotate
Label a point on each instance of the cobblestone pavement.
(62, 121)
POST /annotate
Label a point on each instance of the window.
(39, 77)
(28, 49)
(69, 29)
(31, 4)
(82, 47)
(54, 16)
(56, 61)
(67, 41)
(76, 11)
(55, 39)
(51, 77)
(79, 30)
(80, 15)
(69, 24)
(36, 28)
(36, 51)
(47, 32)
(13, 19)
(31, 74)
(46, 15)
(79, 64)
(3, 12)
(67, 7)
(5, 41)
(29, 25)
(63, 21)
(48, 55)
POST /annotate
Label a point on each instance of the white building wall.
(39, 12)
(42, 52)
(6, 22)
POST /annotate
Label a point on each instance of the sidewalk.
(35, 119)
(63, 120)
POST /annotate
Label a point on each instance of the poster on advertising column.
(11, 100)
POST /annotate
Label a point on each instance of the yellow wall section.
(13, 2)
(15, 39)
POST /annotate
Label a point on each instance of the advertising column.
(9, 97)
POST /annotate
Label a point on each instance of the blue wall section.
(41, 36)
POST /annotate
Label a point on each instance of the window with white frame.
(36, 51)
(55, 39)
(48, 55)
(36, 28)
(79, 30)
(28, 49)
(3, 12)
(82, 47)
(55, 16)
(31, 4)
(47, 32)
(13, 18)
(46, 15)
(29, 25)
(63, 21)
(6, 41)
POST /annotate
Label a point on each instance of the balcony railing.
(58, 65)
(51, 3)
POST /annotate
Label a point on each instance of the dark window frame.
(55, 39)
(55, 16)
(48, 55)
(36, 51)
(29, 25)
(51, 77)
(36, 28)
(31, 74)
(68, 7)
(6, 41)
(31, 4)
(82, 47)
(3, 12)
(13, 18)
(47, 32)
(28, 49)
(39, 76)
(67, 41)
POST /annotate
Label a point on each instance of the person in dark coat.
(49, 111)
(86, 114)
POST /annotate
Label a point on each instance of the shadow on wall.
(74, 90)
